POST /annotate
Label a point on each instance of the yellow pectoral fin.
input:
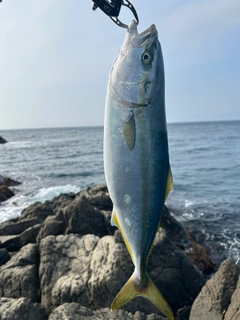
(169, 186)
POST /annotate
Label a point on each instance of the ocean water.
(205, 162)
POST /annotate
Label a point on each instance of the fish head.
(137, 74)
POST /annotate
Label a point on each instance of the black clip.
(112, 9)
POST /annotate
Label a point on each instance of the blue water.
(205, 161)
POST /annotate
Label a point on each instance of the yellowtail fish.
(136, 159)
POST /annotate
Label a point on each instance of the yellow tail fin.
(131, 290)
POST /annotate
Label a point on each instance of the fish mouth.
(139, 39)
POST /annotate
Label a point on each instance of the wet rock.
(215, 297)
(24, 309)
(5, 193)
(2, 140)
(8, 182)
(19, 276)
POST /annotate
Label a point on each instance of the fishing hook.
(112, 9)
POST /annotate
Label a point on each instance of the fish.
(136, 156)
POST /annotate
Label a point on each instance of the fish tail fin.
(145, 288)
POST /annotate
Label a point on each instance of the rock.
(74, 311)
(83, 218)
(186, 242)
(16, 309)
(16, 242)
(16, 226)
(2, 140)
(90, 270)
(5, 193)
(19, 276)
(215, 297)
(53, 225)
(8, 182)
(61, 201)
(4, 256)
(98, 197)
(78, 216)
(233, 311)
(38, 211)
(184, 313)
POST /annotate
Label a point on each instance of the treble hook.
(112, 9)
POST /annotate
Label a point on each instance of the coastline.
(62, 258)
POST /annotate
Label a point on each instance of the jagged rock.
(186, 242)
(233, 311)
(16, 309)
(19, 276)
(61, 201)
(74, 311)
(16, 226)
(215, 297)
(8, 182)
(5, 193)
(53, 225)
(99, 197)
(2, 140)
(83, 218)
(4, 256)
(91, 271)
(16, 242)
(38, 211)
(78, 216)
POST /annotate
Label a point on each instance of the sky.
(55, 58)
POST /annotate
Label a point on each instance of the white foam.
(14, 206)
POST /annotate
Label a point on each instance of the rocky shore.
(62, 260)
(6, 192)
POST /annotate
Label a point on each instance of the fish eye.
(147, 57)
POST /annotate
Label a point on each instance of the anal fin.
(169, 185)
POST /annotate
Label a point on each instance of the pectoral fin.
(129, 131)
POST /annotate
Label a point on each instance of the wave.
(14, 206)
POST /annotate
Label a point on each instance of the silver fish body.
(136, 159)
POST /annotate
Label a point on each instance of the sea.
(205, 163)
